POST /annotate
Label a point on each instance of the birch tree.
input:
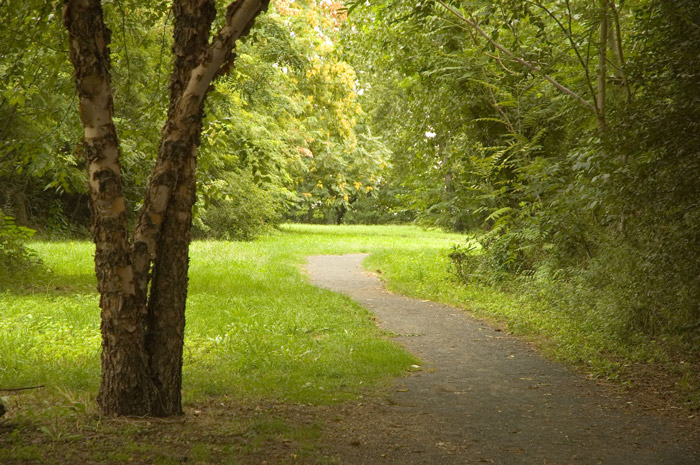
(142, 277)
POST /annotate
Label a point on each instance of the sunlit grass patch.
(255, 327)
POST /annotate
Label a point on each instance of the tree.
(339, 160)
(142, 279)
(566, 130)
(37, 121)
(286, 123)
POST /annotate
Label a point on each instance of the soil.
(484, 396)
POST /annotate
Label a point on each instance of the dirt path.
(483, 396)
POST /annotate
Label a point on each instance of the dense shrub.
(15, 257)
(609, 215)
(238, 209)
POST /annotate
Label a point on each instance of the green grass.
(255, 327)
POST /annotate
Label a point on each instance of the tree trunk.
(126, 386)
(340, 214)
(142, 334)
(166, 306)
(602, 65)
(197, 64)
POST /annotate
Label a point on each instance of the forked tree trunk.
(142, 333)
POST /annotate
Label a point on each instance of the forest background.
(561, 135)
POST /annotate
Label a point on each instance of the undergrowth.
(566, 316)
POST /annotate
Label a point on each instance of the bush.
(632, 286)
(235, 208)
(14, 256)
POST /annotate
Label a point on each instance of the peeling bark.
(143, 333)
(190, 83)
(126, 386)
(166, 309)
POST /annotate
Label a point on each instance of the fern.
(499, 213)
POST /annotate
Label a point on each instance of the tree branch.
(602, 64)
(569, 36)
(498, 108)
(617, 50)
(187, 100)
(525, 63)
(22, 388)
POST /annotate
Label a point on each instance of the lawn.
(255, 327)
(263, 348)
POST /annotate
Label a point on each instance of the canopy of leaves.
(567, 132)
(285, 122)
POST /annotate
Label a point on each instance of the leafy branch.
(533, 67)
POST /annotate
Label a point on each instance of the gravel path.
(483, 396)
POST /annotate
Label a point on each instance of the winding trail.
(483, 396)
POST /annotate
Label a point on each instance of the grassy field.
(262, 346)
(257, 334)
(255, 327)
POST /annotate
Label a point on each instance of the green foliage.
(298, 137)
(16, 259)
(383, 207)
(604, 204)
(38, 121)
(239, 210)
(286, 117)
(403, 113)
(655, 194)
